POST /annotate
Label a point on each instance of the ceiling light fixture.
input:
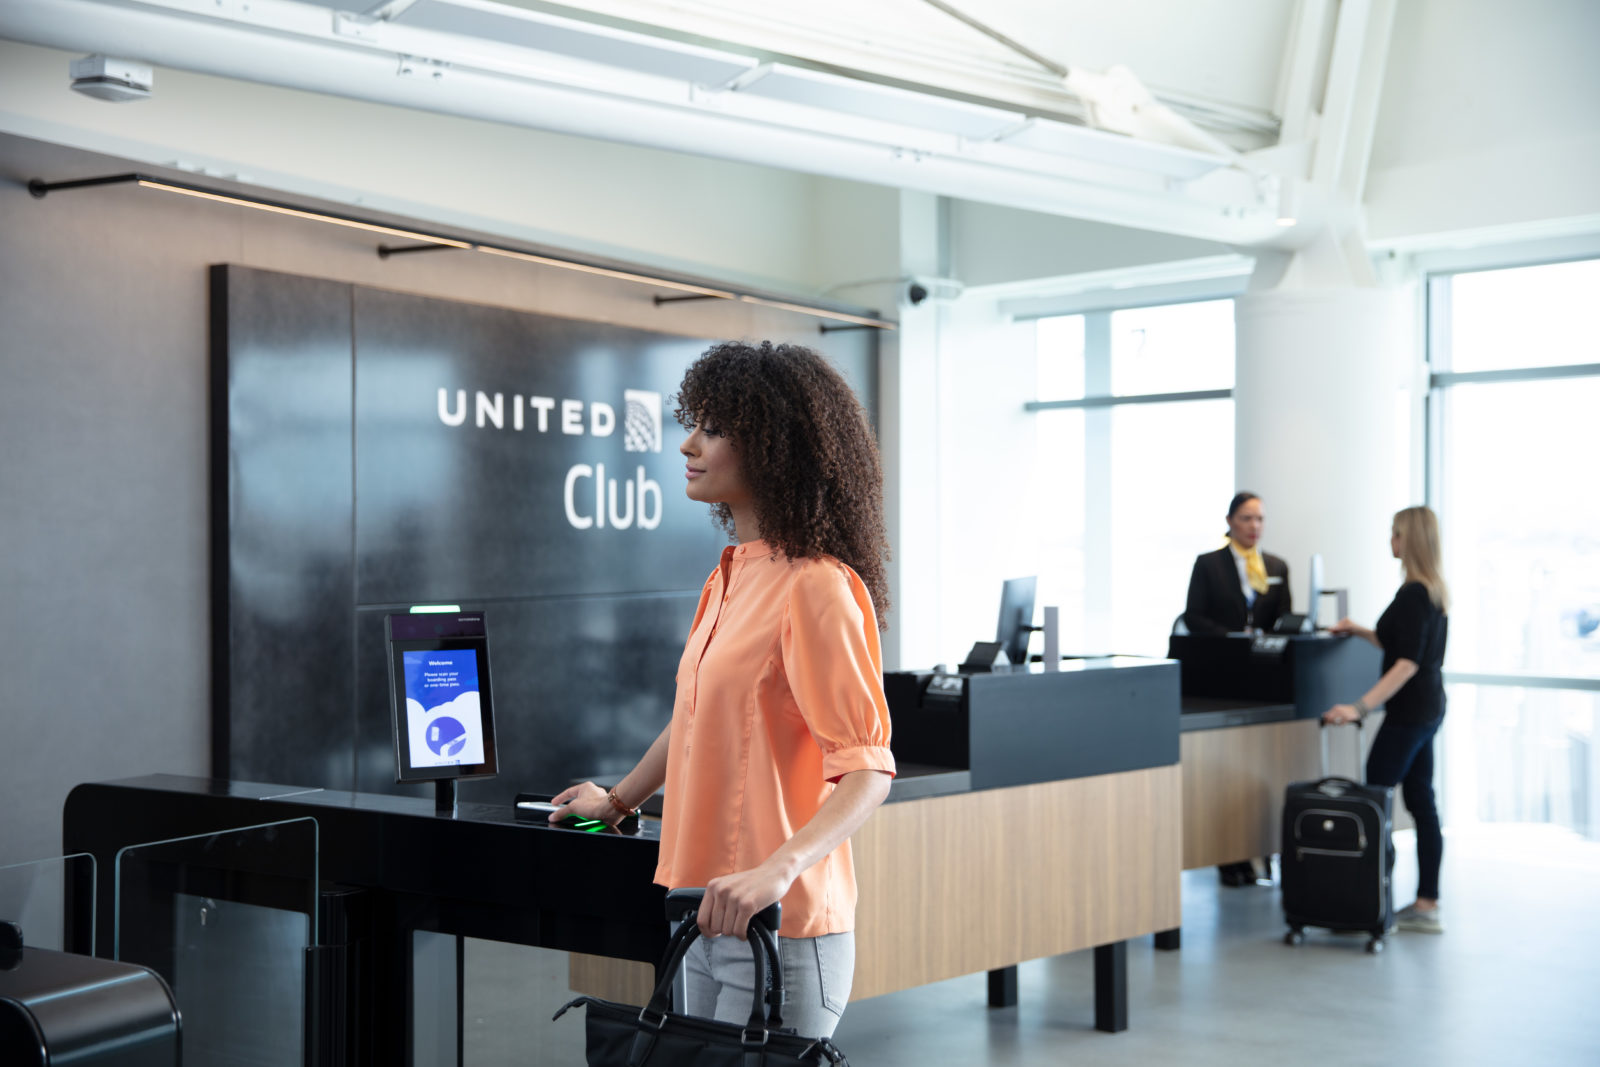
(40, 188)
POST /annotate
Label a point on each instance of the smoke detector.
(109, 78)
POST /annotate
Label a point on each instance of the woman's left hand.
(1340, 713)
(732, 900)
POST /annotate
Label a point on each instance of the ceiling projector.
(116, 80)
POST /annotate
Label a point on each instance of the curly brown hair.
(806, 451)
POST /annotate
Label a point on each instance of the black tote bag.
(625, 1035)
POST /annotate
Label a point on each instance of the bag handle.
(1361, 767)
(682, 901)
(762, 937)
(763, 947)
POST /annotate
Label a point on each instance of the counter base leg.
(1111, 987)
(1169, 940)
(1003, 988)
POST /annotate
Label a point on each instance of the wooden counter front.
(978, 881)
(974, 882)
(1234, 779)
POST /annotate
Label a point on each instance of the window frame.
(1438, 272)
(1097, 455)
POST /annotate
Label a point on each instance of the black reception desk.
(1086, 758)
(1310, 671)
(1018, 727)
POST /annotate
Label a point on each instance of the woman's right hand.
(1345, 626)
(587, 801)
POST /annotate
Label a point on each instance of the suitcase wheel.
(1374, 946)
(1295, 936)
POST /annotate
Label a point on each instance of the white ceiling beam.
(1350, 104)
(1365, 101)
(1298, 80)
(296, 45)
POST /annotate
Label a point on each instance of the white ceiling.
(894, 92)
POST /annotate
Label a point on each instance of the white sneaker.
(1418, 921)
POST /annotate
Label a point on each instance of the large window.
(1135, 425)
(1515, 477)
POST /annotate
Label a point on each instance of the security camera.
(916, 293)
(109, 78)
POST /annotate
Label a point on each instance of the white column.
(1323, 405)
(909, 440)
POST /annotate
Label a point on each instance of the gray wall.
(103, 510)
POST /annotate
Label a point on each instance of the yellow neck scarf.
(1255, 568)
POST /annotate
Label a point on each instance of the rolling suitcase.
(1338, 856)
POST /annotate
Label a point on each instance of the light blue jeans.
(718, 978)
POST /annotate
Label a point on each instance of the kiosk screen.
(440, 697)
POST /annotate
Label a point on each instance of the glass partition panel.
(45, 896)
(226, 919)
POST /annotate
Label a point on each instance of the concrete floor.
(1515, 980)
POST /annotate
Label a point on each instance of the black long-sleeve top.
(1413, 628)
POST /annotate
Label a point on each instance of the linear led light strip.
(40, 188)
(280, 209)
(607, 272)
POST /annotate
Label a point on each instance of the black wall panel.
(281, 514)
(355, 489)
(479, 512)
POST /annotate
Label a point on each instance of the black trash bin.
(56, 1007)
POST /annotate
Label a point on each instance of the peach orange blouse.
(780, 692)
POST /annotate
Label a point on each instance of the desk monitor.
(1016, 617)
(440, 700)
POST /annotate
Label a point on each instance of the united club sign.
(590, 498)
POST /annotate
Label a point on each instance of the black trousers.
(1402, 754)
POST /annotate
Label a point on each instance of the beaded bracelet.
(611, 795)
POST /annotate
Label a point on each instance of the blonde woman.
(1412, 633)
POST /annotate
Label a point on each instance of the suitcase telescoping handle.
(1361, 766)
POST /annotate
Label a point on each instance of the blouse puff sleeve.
(835, 668)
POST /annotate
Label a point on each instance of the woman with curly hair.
(778, 748)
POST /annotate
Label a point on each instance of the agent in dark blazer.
(1232, 589)
(1238, 586)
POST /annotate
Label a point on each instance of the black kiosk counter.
(345, 891)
